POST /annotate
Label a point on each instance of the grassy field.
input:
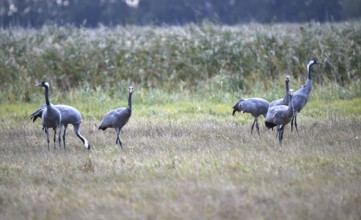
(185, 156)
(189, 162)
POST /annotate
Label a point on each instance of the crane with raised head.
(51, 117)
(302, 95)
(117, 118)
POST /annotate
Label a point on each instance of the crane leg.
(296, 123)
(280, 134)
(117, 130)
(253, 126)
(257, 127)
(121, 144)
(59, 138)
(47, 136)
(65, 126)
(294, 120)
(55, 137)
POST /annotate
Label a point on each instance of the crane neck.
(85, 141)
(287, 96)
(309, 71)
(290, 106)
(130, 100)
(47, 95)
(308, 84)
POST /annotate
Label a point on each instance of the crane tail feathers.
(270, 124)
(235, 109)
(34, 117)
(102, 128)
(37, 114)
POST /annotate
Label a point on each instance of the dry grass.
(183, 169)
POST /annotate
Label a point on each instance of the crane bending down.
(69, 115)
(51, 117)
(280, 116)
(286, 99)
(117, 118)
(302, 95)
(254, 106)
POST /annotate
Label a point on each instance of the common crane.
(280, 116)
(117, 118)
(69, 115)
(284, 100)
(301, 96)
(51, 117)
(254, 106)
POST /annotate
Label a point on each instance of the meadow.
(185, 156)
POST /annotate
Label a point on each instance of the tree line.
(92, 13)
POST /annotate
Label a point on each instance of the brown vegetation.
(183, 170)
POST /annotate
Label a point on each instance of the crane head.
(310, 63)
(87, 145)
(287, 78)
(313, 61)
(43, 84)
(130, 89)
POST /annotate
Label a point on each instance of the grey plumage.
(51, 117)
(284, 100)
(302, 95)
(254, 106)
(69, 115)
(280, 116)
(117, 118)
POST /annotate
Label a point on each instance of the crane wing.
(116, 118)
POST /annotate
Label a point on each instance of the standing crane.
(69, 115)
(280, 116)
(285, 100)
(254, 106)
(51, 117)
(117, 118)
(302, 95)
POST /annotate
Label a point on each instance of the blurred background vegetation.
(214, 48)
(91, 13)
(205, 58)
